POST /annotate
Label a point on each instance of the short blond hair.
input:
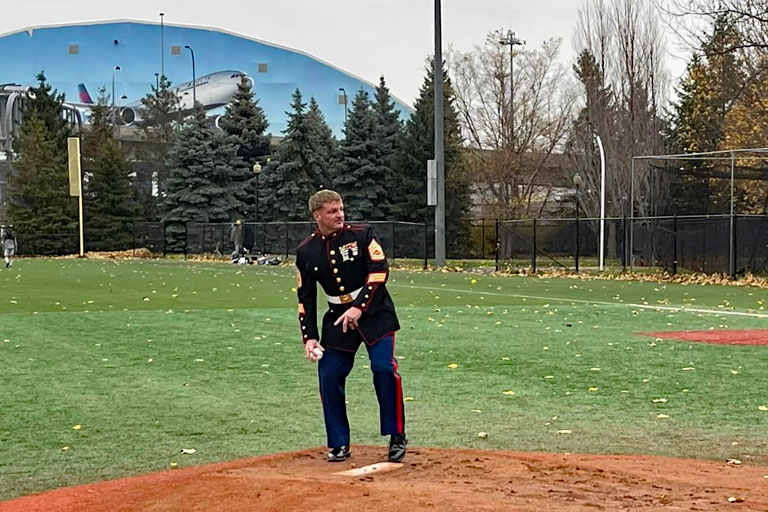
(322, 197)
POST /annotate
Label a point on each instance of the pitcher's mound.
(431, 479)
(723, 337)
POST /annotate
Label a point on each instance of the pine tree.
(357, 177)
(415, 147)
(707, 93)
(160, 118)
(39, 186)
(199, 185)
(110, 197)
(323, 148)
(387, 131)
(288, 178)
(246, 124)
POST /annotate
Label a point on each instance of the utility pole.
(511, 40)
(439, 143)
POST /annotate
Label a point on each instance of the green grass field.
(152, 357)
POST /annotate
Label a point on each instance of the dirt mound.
(430, 479)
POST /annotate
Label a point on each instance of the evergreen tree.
(357, 177)
(415, 147)
(323, 147)
(289, 179)
(199, 185)
(160, 117)
(39, 186)
(387, 130)
(706, 95)
(110, 197)
(246, 124)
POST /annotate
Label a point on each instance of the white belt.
(344, 299)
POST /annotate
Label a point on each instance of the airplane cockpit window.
(236, 75)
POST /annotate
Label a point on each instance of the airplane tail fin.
(83, 92)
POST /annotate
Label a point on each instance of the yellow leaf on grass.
(408, 399)
(509, 392)
(662, 416)
(763, 408)
(565, 432)
(77, 427)
(593, 389)
(453, 366)
(482, 435)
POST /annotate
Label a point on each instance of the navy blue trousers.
(333, 370)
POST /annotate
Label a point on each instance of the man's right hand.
(309, 346)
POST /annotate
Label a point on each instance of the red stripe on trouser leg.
(399, 381)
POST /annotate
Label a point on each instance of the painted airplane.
(211, 91)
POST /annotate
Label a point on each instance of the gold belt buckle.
(346, 298)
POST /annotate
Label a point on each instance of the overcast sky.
(364, 37)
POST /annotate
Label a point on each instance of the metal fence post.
(734, 248)
(426, 256)
(165, 240)
(674, 245)
(186, 237)
(482, 251)
(286, 240)
(576, 256)
(497, 244)
(394, 253)
(533, 249)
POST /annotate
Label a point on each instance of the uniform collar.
(335, 234)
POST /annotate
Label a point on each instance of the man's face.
(330, 217)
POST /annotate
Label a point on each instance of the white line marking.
(676, 309)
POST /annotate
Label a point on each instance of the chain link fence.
(712, 244)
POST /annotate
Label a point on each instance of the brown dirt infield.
(729, 337)
(431, 479)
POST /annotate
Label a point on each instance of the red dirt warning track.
(431, 479)
(729, 337)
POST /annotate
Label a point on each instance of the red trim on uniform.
(399, 381)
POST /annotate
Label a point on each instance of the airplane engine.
(130, 116)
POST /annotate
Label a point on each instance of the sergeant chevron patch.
(377, 277)
(375, 251)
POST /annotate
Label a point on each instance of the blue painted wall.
(24, 54)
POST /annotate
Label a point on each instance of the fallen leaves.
(453, 366)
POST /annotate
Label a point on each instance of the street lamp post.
(578, 181)
(162, 45)
(345, 107)
(123, 97)
(257, 171)
(157, 82)
(116, 68)
(511, 41)
(194, 87)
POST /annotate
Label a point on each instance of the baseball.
(318, 352)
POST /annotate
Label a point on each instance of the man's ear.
(315, 215)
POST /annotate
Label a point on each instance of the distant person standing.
(9, 245)
(236, 236)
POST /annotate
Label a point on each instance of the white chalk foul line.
(675, 309)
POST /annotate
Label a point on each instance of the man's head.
(328, 211)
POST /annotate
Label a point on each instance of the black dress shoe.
(339, 454)
(397, 447)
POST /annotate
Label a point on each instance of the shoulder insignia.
(375, 251)
(359, 226)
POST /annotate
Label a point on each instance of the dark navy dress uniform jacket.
(352, 266)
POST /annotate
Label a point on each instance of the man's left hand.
(349, 319)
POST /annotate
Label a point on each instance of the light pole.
(194, 87)
(257, 171)
(578, 181)
(157, 82)
(511, 41)
(162, 45)
(601, 246)
(116, 68)
(345, 107)
(123, 97)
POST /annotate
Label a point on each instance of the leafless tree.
(511, 139)
(622, 102)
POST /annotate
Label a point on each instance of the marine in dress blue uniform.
(348, 262)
